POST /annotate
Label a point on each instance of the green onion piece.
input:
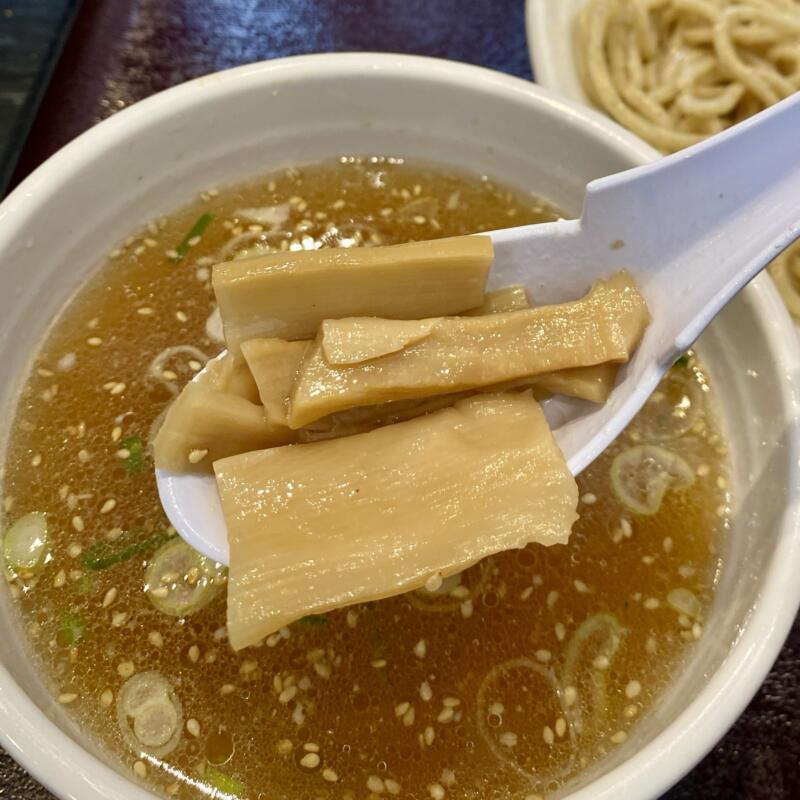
(223, 783)
(203, 221)
(71, 629)
(101, 555)
(135, 461)
(314, 619)
(682, 362)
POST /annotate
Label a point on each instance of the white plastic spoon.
(692, 228)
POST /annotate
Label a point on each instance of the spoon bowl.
(692, 229)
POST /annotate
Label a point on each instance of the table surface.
(121, 51)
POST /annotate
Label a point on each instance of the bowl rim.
(552, 56)
(70, 770)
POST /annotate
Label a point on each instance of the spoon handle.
(707, 219)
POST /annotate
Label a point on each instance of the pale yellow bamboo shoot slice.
(468, 352)
(314, 527)
(273, 364)
(230, 374)
(204, 424)
(509, 298)
(287, 295)
(588, 383)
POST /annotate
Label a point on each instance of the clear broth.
(482, 690)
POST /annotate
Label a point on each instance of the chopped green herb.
(314, 619)
(223, 783)
(102, 555)
(203, 221)
(71, 629)
(135, 461)
(682, 362)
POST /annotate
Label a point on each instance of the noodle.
(677, 71)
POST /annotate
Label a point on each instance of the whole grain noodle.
(676, 71)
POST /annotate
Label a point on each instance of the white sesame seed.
(650, 645)
(448, 777)
(446, 715)
(160, 591)
(145, 311)
(526, 593)
(552, 597)
(619, 737)
(193, 727)
(408, 717)
(466, 609)
(633, 689)
(311, 747)
(421, 648)
(570, 696)
(117, 388)
(560, 631)
(125, 669)
(110, 597)
(667, 544)
(401, 709)
(375, 784)
(36, 460)
(626, 527)
(392, 786)
(379, 663)
(580, 586)
(589, 499)
(651, 603)
(77, 523)
(108, 506)
(508, 739)
(437, 791)
(601, 662)
(107, 698)
(425, 691)
(94, 341)
(67, 697)
(227, 688)
(548, 735)
(429, 735)
(543, 655)
(451, 702)
(697, 630)
(119, 618)
(140, 769)
(194, 653)
(434, 582)
(287, 695)
(193, 241)
(196, 456)
(155, 638)
(329, 775)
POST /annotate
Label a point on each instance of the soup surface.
(507, 682)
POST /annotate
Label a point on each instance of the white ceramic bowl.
(549, 26)
(58, 224)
